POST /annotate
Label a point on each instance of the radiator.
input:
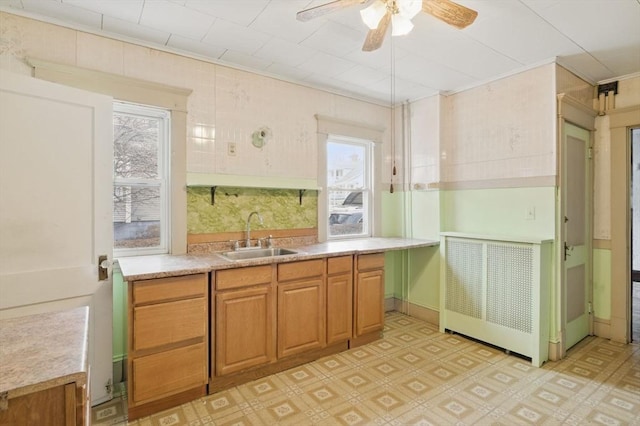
(497, 290)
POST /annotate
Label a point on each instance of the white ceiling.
(597, 39)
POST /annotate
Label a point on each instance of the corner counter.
(44, 367)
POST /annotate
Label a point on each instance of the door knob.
(103, 267)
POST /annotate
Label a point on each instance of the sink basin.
(256, 253)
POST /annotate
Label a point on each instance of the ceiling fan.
(398, 13)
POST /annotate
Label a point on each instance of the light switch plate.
(231, 148)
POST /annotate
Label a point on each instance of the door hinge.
(590, 153)
(589, 308)
(109, 387)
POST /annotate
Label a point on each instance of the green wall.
(500, 211)
(602, 283)
(119, 316)
(414, 275)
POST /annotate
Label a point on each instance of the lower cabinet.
(301, 307)
(168, 342)
(369, 295)
(244, 329)
(63, 405)
(339, 299)
(244, 318)
(264, 319)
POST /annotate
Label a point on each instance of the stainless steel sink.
(256, 253)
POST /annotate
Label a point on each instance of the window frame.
(367, 186)
(162, 181)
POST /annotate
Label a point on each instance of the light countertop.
(160, 266)
(41, 351)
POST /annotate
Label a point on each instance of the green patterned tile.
(280, 209)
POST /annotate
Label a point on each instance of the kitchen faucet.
(248, 241)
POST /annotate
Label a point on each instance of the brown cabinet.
(244, 319)
(339, 299)
(63, 405)
(168, 342)
(301, 307)
(369, 295)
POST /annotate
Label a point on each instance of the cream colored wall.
(226, 105)
(604, 288)
(502, 130)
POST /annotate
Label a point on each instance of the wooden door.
(369, 302)
(301, 316)
(56, 161)
(576, 231)
(339, 299)
(244, 329)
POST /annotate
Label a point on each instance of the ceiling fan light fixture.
(372, 15)
(409, 8)
(400, 25)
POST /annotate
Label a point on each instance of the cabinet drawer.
(166, 373)
(303, 269)
(163, 289)
(370, 261)
(243, 277)
(166, 323)
(336, 265)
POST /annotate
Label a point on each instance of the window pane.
(346, 215)
(136, 216)
(135, 149)
(348, 191)
(345, 165)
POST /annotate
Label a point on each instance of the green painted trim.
(213, 179)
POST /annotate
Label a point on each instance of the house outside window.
(349, 192)
(140, 166)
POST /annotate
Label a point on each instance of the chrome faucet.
(248, 241)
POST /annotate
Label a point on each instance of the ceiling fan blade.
(450, 12)
(323, 9)
(376, 37)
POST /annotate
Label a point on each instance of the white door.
(55, 207)
(576, 206)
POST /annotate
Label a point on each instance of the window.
(349, 187)
(140, 171)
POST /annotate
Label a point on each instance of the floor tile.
(416, 375)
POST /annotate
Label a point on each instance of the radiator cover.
(496, 290)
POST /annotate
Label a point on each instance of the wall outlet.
(530, 213)
(231, 148)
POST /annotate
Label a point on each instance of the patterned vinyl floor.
(418, 376)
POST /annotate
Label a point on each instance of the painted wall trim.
(521, 182)
(602, 244)
(354, 129)
(277, 182)
(602, 328)
(620, 120)
(423, 313)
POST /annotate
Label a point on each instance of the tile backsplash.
(281, 209)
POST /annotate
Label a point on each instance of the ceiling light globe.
(400, 25)
(372, 15)
(409, 8)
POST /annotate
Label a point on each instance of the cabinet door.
(244, 329)
(301, 316)
(369, 302)
(339, 308)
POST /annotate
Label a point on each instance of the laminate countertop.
(42, 351)
(161, 266)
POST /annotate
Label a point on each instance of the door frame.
(572, 111)
(621, 120)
